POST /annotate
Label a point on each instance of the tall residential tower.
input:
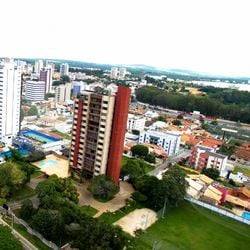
(10, 91)
(98, 132)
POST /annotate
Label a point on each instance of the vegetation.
(243, 170)
(88, 210)
(210, 105)
(23, 193)
(7, 240)
(49, 95)
(170, 190)
(190, 227)
(36, 156)
(103, 188)
(32, 111)
(27, 210)
(211, 172)
(139, 150)
(228, 149)
(177, 122)
(64, 135)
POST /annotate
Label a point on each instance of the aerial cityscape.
(109, 144)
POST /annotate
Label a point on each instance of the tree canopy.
(7, 240)
(211, 172)
(102, 187)
(139, 150)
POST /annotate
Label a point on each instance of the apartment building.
(10, 91)
(63, 92)
(98, 132)
(46, 76)
(64, 69)
(170, 141)
(135, 122)
(206, 157)
(35, 91)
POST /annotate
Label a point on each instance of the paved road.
(157, 171)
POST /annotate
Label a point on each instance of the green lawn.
(147, 166)
(90, 211)
(24, 193)
(31, 238)
(111, 217)
(195, 228)
(64, 135)
(245, 171)
(37, 173)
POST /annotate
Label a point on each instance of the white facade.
(62, 92)
(10, 91)
(122, 73)
(38, 66)
(114, 72)
(35, 91)
(169, 141)
(64, 69)
(135, 122)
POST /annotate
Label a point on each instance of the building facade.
(46, 76)
(64, 69)
(170, 141)
(135, 122)
(63, 92)
(10, 94)
(35, 91)
(98, 132)
(205, 157)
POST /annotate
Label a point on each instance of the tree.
(36, 156)
(48, 223)
(139, 150)
(65, 79)
(177, 122)
(12, 178)
(7, 240)
(133, 169)
(56, 188)
(49, 95)
(150, 158)
(33, 111)
(211, 172)
(214, 122)
(102, 187)
(180, 116)
(27, 210)
(162, 118)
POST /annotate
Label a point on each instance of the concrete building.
(10, 94)
(46, 76)
(98, 132)
(38, 66)
(64, 69)
(205, 157)
(63, 92)
(35, 91)
(78, 87)
(122, 73)
(135, 122)
(170, 141)
(114, 72)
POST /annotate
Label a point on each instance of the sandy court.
(54, 165)
(138, 219)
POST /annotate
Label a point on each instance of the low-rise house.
(205, 157)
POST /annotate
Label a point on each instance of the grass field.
(64, 135)
(31, 238)
(90, 211)
(111, 217)
(24, 193)
(195, 228)
(245, 171)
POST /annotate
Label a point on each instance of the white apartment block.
(63, 92)
(38, 66)
(135, 122)
(114, 72)
(35, 91)
(10, 91)
(64, 69)
(170, 141)
(122, 73)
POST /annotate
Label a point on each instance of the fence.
(218, 210)
(30, 230)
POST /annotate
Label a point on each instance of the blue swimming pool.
(38, 136)
(246, 215)
(47, 163)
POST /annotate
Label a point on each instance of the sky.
(211, 36)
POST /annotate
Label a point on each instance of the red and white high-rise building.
(98, 132)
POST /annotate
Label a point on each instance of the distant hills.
(146, 69)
